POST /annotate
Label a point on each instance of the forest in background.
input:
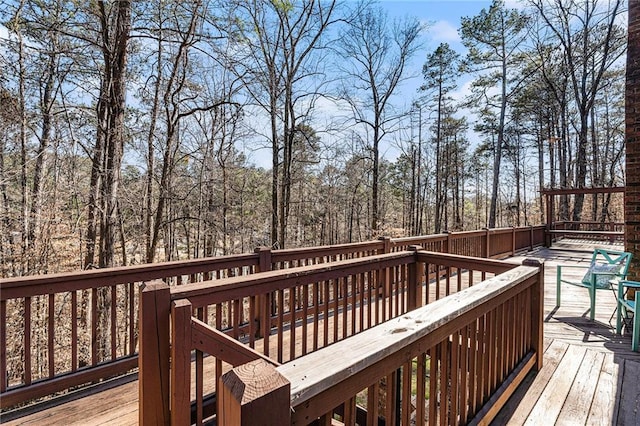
(128, 130)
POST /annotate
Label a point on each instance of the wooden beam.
(574, 191)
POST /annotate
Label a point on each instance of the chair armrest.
(629, 284)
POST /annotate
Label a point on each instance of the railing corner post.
(254, 394)
(386, 241)
(153, 358)
(513, 241)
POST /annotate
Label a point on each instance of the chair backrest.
(613, 257)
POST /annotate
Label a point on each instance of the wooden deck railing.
(61, 331)
(612, 231)
(316, 306)
(454, 361)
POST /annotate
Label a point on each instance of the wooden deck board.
(577, 350)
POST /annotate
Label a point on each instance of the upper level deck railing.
(347, 303)
(61, 331)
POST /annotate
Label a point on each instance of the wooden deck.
(590, 375)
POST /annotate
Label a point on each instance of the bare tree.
(376, 52)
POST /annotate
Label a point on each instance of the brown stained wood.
(154, 354)
(94, 326)
(113, 319)
(51, 336)
(3, 346)
(548, 407)
(565, 324)
(74, 331)
(131, 318)
(606, 400)
(211, 292)
(181, 362)
(504, 392)
(27, 344)
(455, 377)
(576, 407)
(254, 394)
(60, 383)
(210, 340)
(629, 397)
(406, 393)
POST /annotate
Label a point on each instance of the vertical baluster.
(344, 289)
(373, 408)
(316, 314)
(280, 323)
(445, 375)
(94, 326)
(131, 297)
(51, 335)
(454, 375)
(464, 374)
(252, 318)
(325, 300)
(236, 317)
(266, 318)
(114, 305)
(336, 308)
(27, 340)
(292, 322)
(421, 378)
(434, 361)
(407, 370)
(3, 346)
(74, 330)
(305, 317)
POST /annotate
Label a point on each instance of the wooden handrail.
(321, 381)
(110, 297)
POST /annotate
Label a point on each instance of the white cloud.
(443, 31)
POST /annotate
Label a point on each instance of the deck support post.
(153, 359)
(254, 394)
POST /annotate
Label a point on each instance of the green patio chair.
(629, 308)
(607, 267)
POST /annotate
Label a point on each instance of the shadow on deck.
(590, 374)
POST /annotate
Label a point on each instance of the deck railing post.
(537, 312)
(487, 245)
(386, 244)
(254, 394)
(416, 272)
(181, 362)
(262, 308)
(513, 241)
(531, 238)
(447, 249)
(153, 359)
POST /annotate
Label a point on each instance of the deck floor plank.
(605, 398)
(629, 413)
(576, 408)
